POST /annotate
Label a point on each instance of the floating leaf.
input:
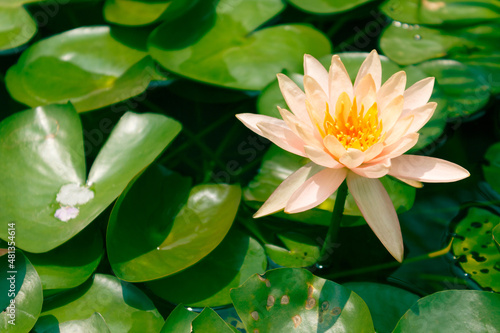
(177, 233)
(179, 320)
(294, 300)
(209, 322)
(387, 304)
(16, 26)
(70, 264)
(475, 249)
(496, 236)
(22, 297)
(278, 165)
(452, 311)
(94, 324)
(300, 251)
(491, 170)
(326, 6)
(87, 66)
(441, 12)
(208, 282)
(216, 42)
(42, 151)
(123, 306)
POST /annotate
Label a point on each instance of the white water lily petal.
(313, 68)
(333, 145)
(421, 116)
(315, 190)
(321, 157)
(315, 96)
(413, 183)
(426, 169)
(366, 92)
(418, 94)
(290, 120)
(294, 97)
(352, 158)
(372, 66)
(283, 137)
(392, 88)
(398, 148)
(392, 112)
(278, 199)
(398, 130)
(339, 81)
(373, 152)
(378, 211)
(375, 170)
(251, 120)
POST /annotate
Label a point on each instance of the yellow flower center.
(353, 128)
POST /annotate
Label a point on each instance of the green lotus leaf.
(277, 165)
(43, 161)
(208, 282)
(183, 226)
(71, 264)
(465, 88)
(294, 300)
(88, 66)
(408, 44)
(17, 26)
(475, 249)
(496, 236)
(491, 170)
(386, 303)
(462, 12)
(300, 251)
(94, 324)
(22, 296)
(182, 320)
(179, 320)
(326, 6)
(452, 311)
(488, 63)
(123, 306)
(215, 42)
(142, 12)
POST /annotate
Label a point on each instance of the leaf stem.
(333, 229)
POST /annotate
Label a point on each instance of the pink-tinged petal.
(314, 69)
(283, 137)
(251, 120)
(413, 183)
(366, 92)
(398, 148)
(375, 170)
(278, 199)
(339, 81)
(315, 95)
(321, 157)
(333, 145)
(290, 120)
(372, 66)
(352, 158)
(392, 88)
(421, 116)
(309, 137)
(426, 169)
(295, 98)
(373, 152)
(315, 190)
(418, 94)
(378, 211)
(391, 113)
(398, 130)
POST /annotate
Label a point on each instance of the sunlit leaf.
(16, 26)
(326, 6)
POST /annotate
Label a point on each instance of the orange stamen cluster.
(359, 130)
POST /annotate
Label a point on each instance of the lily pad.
(123, 306)
(94, 324)
(294, 300)
(70, 264)
(465, 88)
(488, 63)
(387, 304)
(182, 320)
(17, 26)
(278, 165)
(408, 44)
(327, 6)
(22, 297)
(300, 251)
(442, 12)
(452, 311)
(208, 282)
(217, 42)
(42, 151)
(475, 249)
(179, 320)
(142, 12)
(491, 170)
(87, 66)
(496, 236)
(177, 234)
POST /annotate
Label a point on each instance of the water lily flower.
(356, 132)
